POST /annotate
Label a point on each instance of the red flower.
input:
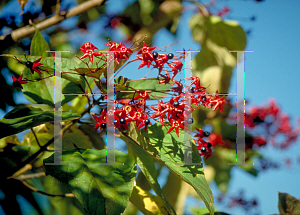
(176, 124)
(175, 68)
(87, 46)
(33, 66)
(88, 49)
(100, 120)
(17, 82)
(166, 78)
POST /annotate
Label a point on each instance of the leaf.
(13, 139)
(49, 63)
(42, 92)
(22, 118)
(159, 90)
(146, 202)
(288, 204)
(214, 63)
(96, 139)
(101, 189)
(63, 205)
(75, 136)
(146, 163)
(39, 46)
(92, 72)
(168, 148)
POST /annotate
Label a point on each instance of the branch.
(47, 194)
(55, 19)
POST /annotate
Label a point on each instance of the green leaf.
(75, 136)
(23, 117)
(146, 163)
(39, 46)
(97, 73)
(159, 90)
(288, 204)
(42, 92)
(101, 189)
(96, 139)
(147, 203)
(168, 148)
(214, 64)
(63, 205)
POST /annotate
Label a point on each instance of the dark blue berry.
(122, 120)
(29, 64)
(16, 84)
(115, 121)
(147, 121)
(175, 103)
(203, 149)
(155, 54)
(103, 80)
(209, 145)
(190, 121)
(170, 56)
(103, 125)
(206, 133)
(203, 98)
(191, 90)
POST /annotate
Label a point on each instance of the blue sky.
(272, 70)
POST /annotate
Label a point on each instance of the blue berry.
(103, 125)
(206, 133)
(147, 121)
(209, 145)
(191, 90)
(203, 98)
(203, 149)
(16, 84)
(29, 64)
(155, 54)
(175, 103)
(170, 56)
(103, 80)
(190, 121)
(122, 120)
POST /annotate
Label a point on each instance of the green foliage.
(214, 63)
(63, 205)
(168, 148)
(159, 91)
(101, 189)
(39, 46)
(24, 117)
(146, 163)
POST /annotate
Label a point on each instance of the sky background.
(271, 71)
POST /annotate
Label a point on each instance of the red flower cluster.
(172, 113)
(120, 50)
(272, 122)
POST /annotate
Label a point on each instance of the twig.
(21, 171)
(30, 176)
(47, 194)
(28, 30)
